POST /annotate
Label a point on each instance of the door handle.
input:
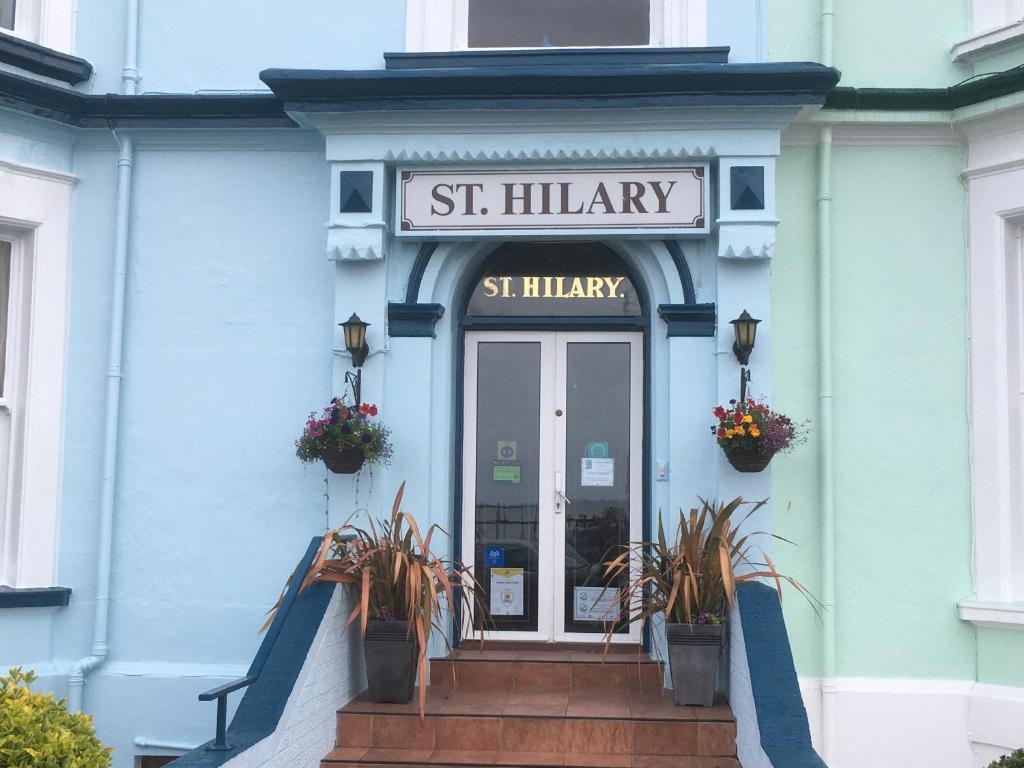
(559, 495)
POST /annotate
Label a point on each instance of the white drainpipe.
(125, 160)
(827, 481)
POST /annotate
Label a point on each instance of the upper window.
(453, 25)
(49, 23)
(542, 23)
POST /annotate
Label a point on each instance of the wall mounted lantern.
(745, 328)
(355, 343)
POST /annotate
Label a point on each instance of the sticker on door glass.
(597, 472)
(593, 604)
(508, 450)
(597, 450)
(494, 557)
(506, 591)
(506, 473)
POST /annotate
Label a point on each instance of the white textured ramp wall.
(741, 698)
(331, 675)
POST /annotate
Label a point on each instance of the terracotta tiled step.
(362, 757)
(570, 670)
(555, 722)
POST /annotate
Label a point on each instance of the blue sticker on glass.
(494, 557)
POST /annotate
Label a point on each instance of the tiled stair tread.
(469, 654)
(621, 704)
(547, 671)
(363, 757)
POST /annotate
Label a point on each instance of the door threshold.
(540, 645)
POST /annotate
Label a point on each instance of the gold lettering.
(595, 286)
(613, 286)
(490, 287)
(547, 287)
(560, 288)
(576, 291)
(505, 282)
(531, 287)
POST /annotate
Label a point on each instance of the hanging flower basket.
(343, 461)
(750, 433)
(344, 437)
(748, 461)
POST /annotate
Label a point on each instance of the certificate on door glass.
(506, 591)
(597, 472)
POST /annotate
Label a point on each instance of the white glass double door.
(552, 478)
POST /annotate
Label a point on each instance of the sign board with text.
(617, 200)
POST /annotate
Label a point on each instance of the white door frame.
(551, 455)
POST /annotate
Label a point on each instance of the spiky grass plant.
(692, 578)
(397, 575)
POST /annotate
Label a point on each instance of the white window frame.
(35, 218)
(50, 23)
(995, 184)
(443, 25)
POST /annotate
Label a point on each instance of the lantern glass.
(355, 333)
(745, 328)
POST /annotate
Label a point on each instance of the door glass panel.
(597, 460)
(539, 23)
(508, 482)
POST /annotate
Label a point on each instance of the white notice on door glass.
(506, 591)
(594, 604)
(597, 472)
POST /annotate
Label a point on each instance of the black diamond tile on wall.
(355, 191)
(746, 187)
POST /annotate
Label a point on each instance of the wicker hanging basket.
(752, 461)
(344, 461)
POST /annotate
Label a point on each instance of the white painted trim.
(442, 25)
(988, 42)
(986, 613)
(35, 212)
(37, 172)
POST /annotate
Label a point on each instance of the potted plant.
(344, 437)
(751, 433)
(402, 585)
(691, 581)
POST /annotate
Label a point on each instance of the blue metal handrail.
(220, 694)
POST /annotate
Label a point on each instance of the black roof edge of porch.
(563, 56)
(487, 83)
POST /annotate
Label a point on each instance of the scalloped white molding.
(546, 154)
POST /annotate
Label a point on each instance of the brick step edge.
(523, 760)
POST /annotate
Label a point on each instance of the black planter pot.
(693, 652)
(390, 654)
(344, 461)
(748, 462)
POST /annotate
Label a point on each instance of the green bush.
(37, 731)
(1015, 760)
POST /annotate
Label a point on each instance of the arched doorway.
(553, 349)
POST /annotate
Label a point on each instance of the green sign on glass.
(506, 473)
